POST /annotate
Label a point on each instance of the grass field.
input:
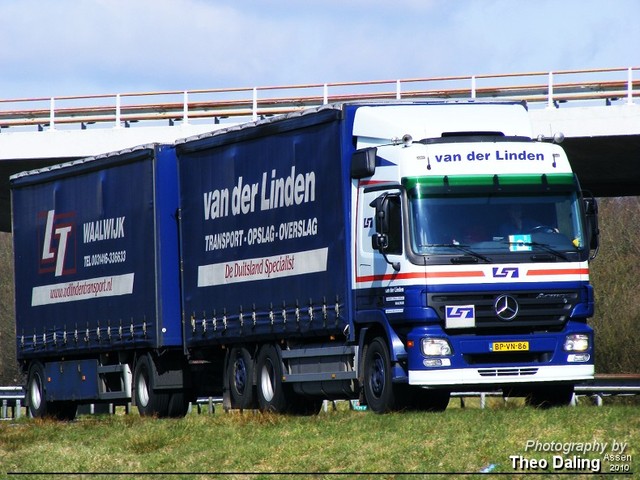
(336, 444)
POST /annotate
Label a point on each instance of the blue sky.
(68, 47)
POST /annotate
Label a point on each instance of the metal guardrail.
(123, 109)
(12, 399)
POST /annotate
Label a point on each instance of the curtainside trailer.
(97, 280)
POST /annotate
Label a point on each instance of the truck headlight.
(436, 347)
(576, 342)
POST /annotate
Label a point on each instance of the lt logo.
(466, 311)
(460, 316)
(505, 272)
(58, 239)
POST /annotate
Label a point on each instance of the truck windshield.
(496, 224)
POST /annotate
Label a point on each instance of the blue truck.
(385, 252)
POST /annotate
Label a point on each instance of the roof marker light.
(557, 138)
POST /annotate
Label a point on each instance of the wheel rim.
(35, 392)
(377, 377)
(143, 390)
(240, 375)
(267, 382)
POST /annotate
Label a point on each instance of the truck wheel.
(240, 375)
(378, 388)
(271, 391)
(178, 405)
(149, 402)
(35, 391)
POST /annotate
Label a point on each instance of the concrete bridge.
(598, 111)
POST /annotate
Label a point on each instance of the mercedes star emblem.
(506, 307)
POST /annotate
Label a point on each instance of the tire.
(178, 405)
(240, 374)
(149, 402)
(36, 402)
(271, 391)
(379, 392)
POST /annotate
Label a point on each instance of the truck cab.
(471, 247)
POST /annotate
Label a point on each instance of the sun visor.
(375, 125)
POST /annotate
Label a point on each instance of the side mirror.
(380, 239)
(363, 163)
(382, 206)
(591, 213)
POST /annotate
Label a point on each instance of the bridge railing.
(544, 89)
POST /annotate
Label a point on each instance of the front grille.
(537, 309)
(507, 372)
(506, 358)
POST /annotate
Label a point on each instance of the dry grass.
(335, 443)
(615, 275)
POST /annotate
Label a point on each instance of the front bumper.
(473, 360)
(501, 375)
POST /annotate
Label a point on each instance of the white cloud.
(62, 47)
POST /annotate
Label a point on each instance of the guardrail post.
(255, 104)
(550, 103)
(325, 94)
(630, 86)
(5, 403)
(118, 124)
(18, 413)
(185, 108)
(52, 114)
(398, 90)
(473, 87)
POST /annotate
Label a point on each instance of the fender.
(397, 349)
(169, 371)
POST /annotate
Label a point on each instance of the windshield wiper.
(462, 248)
(543, 246)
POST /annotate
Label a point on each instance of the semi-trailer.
(386, 252)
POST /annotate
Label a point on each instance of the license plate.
(510, 346)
